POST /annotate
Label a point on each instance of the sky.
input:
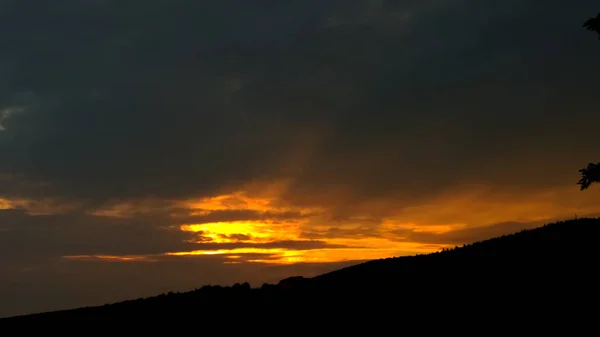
(154, 146)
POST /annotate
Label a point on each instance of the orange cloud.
(37, 207)
(113, 258)
(6, 204)
(131, 208)
(481, 206)
(261, 197)
(377, 228)
(324, 255)
(237, 231)
(266, 231)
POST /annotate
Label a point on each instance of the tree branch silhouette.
(593, 24)
(590, 174)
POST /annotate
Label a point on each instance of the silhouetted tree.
(589, 175)
(593, 24)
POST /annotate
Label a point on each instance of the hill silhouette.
(550, 270)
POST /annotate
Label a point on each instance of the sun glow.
(255, 232)
(290, 256)
(114, 258)
(244, 231)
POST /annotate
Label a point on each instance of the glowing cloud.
(112, 258)
(290, 256)
(243, 231)
(6, 204)
(334, 247)
(36, 207)
(242, 227)
(242, 200)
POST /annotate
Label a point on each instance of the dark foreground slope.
(547, 271)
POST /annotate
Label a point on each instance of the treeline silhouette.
(549, 269)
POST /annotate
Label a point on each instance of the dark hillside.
(555, 260)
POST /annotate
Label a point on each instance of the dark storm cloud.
(182, 98)
(52, 236)
(136, 98)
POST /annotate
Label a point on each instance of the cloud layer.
(210, 134)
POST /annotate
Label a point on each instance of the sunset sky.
(154, 146)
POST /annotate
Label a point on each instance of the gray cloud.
(52, 236)
(5, 113)
(138, 100)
